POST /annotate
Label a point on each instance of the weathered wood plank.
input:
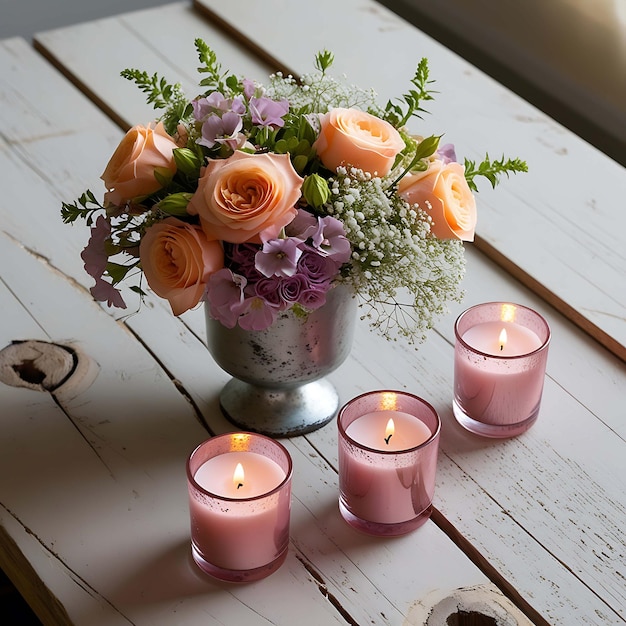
(549, 497)
(159, 51)
(114, 467)
(568, 196)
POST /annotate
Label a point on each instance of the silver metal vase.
(278, 386)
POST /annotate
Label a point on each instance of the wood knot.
(480, 605)
(44, 366)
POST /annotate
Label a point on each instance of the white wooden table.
(94, 524)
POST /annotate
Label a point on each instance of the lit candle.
(502, 338)
(388, 431)
(500, 358)
(239, 488)
(387, 455)
(239, 475)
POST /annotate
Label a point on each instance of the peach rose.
(353, 137)
(130, 172)
(444, 194)
(177, 260)
(247, 197)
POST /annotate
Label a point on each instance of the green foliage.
(84, 208)
(423, 151)
(395, 113)
(117, 272)
(162, 95)
(492, 170)
(323, 60)
(215, 79)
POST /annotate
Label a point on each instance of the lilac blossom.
(249, 88)
(103, 291)
(216, 103)
(291, 288)
(94, 254)
(267, 112)
(326, 235)
(317, 269)
(257, 314)
(313, 298)
(96, 258)
(223, 130)
(330, 239)
(446, 153)
(225, 295)
(278, 257)
(269, 290)
(303, 225)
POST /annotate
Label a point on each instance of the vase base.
(279, 412)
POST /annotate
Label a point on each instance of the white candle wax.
(486, 337)
(240, 534)
(261, 475)
(370, 430)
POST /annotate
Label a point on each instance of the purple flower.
(292, 287)
(249, 88)
(216, 103)
(269, 290)
(303, 225)
(103, 291)
(278, 257)
(267, 112)
(313, 297)
(94, 255)
(242, 257)
(446, 153)
(257, 314)
(225, 295)
(317, 269)
(223, 130)
(330, 239)
(326, 235)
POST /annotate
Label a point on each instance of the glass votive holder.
(240, 505)
(388, 446)
(500, 356)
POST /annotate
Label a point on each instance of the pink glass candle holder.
(500, 357)
(387, 471)
(240, 503)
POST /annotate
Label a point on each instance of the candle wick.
(387, 439)
(501, 346)
(239, 485)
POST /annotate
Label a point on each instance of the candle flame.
(389, 430)
(502, 339)
(507, 314)
(238, 476)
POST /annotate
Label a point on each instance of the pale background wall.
(25, 17)
(568, 57)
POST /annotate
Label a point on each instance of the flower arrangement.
(258, 199)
